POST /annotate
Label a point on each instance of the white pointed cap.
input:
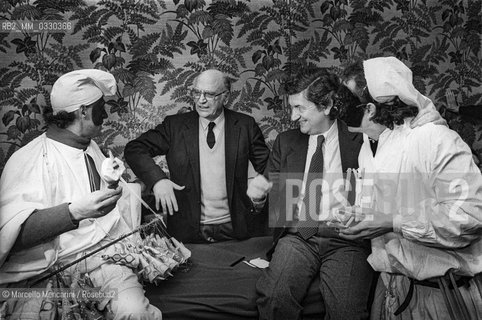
(388, 77)
(81, 87)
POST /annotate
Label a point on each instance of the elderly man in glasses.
(207, 152)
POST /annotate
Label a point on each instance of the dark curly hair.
(392, 113)
(347, 105)
(62, 119)
(387, 114)
(320, 84)
(356, 72)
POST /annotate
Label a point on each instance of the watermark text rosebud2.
(300, 198)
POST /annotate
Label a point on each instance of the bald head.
(215, 78)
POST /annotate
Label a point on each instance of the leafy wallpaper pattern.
(155, 48)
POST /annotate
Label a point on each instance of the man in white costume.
(421, 197)
(55, 207)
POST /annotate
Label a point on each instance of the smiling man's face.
(311, 120)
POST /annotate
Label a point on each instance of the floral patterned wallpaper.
(155, 48)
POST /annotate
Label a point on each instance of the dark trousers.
(345, 278)
(216, 232)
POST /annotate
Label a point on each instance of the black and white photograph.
(241, 159)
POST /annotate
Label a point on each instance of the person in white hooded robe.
(421, 200)
(55, 207)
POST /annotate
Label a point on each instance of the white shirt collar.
(219, 121)
(329, 135)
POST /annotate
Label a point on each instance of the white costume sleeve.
(453, 212)
(22, 190)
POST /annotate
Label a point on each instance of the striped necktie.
(315, 171)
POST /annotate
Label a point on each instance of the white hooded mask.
(388, 77)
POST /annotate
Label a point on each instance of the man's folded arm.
(139, 154)
(272, 167)
(259, 151)
(44, 225)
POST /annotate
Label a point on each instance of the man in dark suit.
(321, 148)
(207, 152)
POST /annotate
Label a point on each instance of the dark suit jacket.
(177, 138)
(289, 157)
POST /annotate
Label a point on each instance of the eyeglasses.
(196, 94)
